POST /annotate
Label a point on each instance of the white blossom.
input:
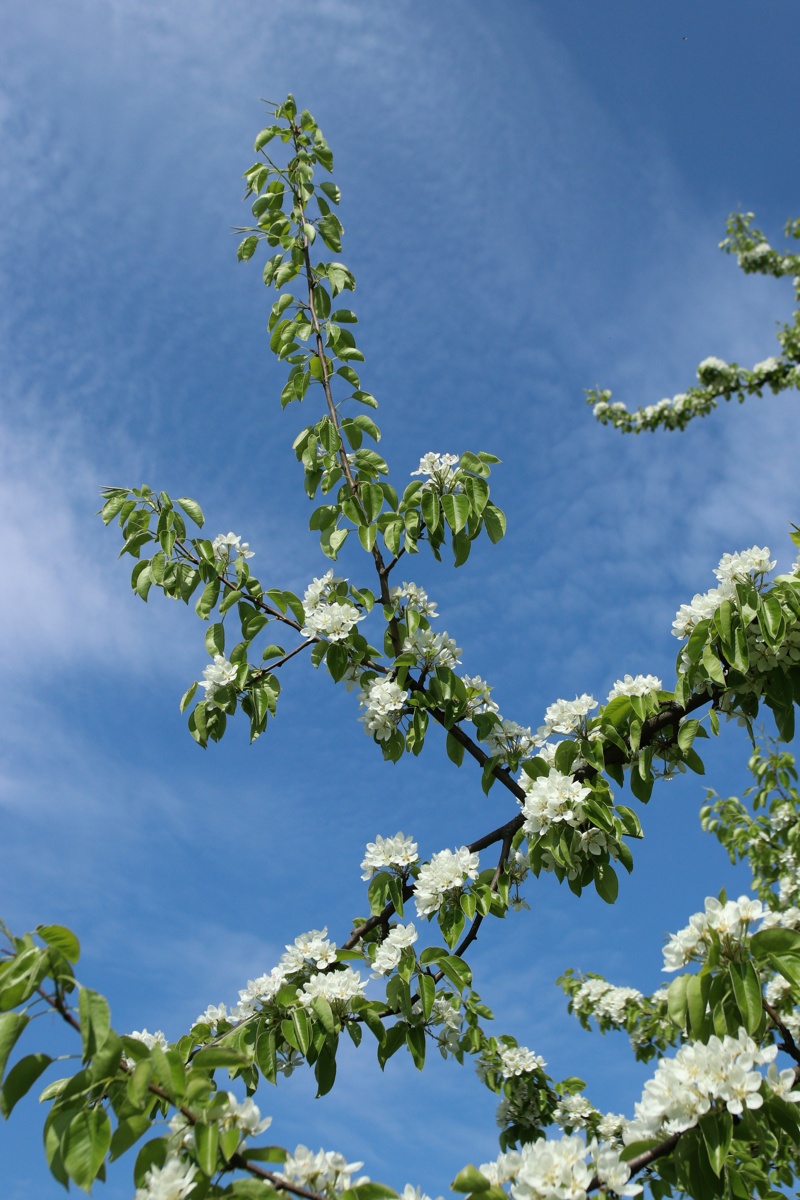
(416, 598)
(314, 946)
(319, 590)
(339, 988)
(398, 852)
(638, 685)
(391, 948)
(332, 621)
(447, 870)
(480, 701)
(217, 675)
(767, 367)
(432, 649)
(213, 1014)
(782, 1083)
(173, 1181)
(730, 920)
(326, 1171)
(702, 607)
(150, 1039)
(384, 701)
(574, 1112)
(227, 546)
(518, 1060)
(700, 1076)
(742, 565)
(244, 1115)
(507, 738)
(438, 467)
(565, 716)
(551, 799)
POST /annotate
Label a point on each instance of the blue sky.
(532, 196)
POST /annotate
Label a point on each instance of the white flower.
(565, 716)
(574, 1112)
(639, 685)
(700, 1075)
(173, 1181)
(437, 467)
(518, 1060)
(767, 367)
(479, 700)
(415, 598)
(432, 649)
(244, 1115)
(326, 1170)
(332, 621)
(339, 988)
(741, 565)
(550, 799)
(507, 738)
(313, 946)
(711, 369)
(384, 701)
(397, 852)
(150, 1039)
(552, 1170)
(447, 870)
(319, 590)
(702, 607)
(782, 1083)
(414, 1193)
(217, 675)
(213, 1014)
(263, 989)
(504, 1168)
(227, 546)
(391, 948)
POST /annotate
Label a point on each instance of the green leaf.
(495, 521)
(697, 990)
(455, 750)
(207, 599)
(85, 1144)
(20, 1080)
(247, 248)
(470, 1180)
(11, 1026)
(774, 941)
(229, 600)
(456, 511)
(211, 1057)
(207, 1143)
(676, 1000)
(95, 1020)
(324, 1013)
(61, 939)
(427, 993)
(717, 1131)
(747, 990)
(215, 639)
(368, 1191)
(192, 510)
(606, 882)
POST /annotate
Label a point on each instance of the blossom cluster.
(700, 1076)
(173, 1181)
(217, 675)
(384, 701)
(735, 568)
(506, 739)
(551, 799)
(410, 596)
(447, 871)
(327, 617)
(432, 649)
(597, 997)
(227, 546)
(518, 1060)
(730, 920)
(635, 685)
(325, 1171)
(339, 988)
(397, 853)
(479, 698)
(438, 467)
(391, 948)
(551, 1169)
(565, 716)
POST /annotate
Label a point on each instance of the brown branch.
(789, 1045)
(644, 1160)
